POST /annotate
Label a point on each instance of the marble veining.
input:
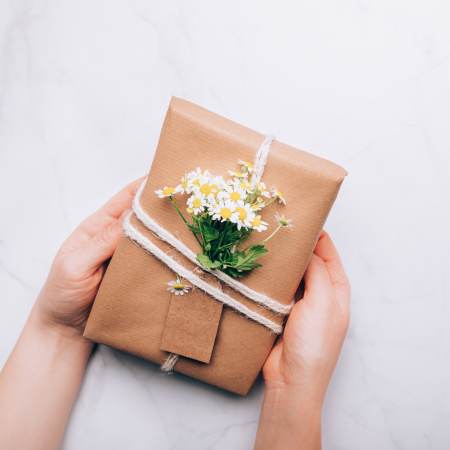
(83, 89)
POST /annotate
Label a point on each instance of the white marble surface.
(84, 85)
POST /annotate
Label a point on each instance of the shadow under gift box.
(134, 311)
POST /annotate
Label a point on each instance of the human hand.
(308, 351)
(66, 297)
(51, 347)
(300, 366)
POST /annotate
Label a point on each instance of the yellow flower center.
(242, 213)
(178, 286)
(256, 222)
(235, 196)
(168, 191)
(225, 213)
(206, 189)
(196, 203)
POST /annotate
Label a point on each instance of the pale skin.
(41, 379)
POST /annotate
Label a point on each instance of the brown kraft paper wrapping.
(133, 310)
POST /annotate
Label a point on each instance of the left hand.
(67, 296)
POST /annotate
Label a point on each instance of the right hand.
(307, 353)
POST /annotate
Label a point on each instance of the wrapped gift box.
(216, 343)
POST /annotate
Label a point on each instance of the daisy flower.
(197, 178)
(223, 210)
(194, 174)
(246, 165)
(233, 192)
(258, 224)
(167, 191)
(237, 174)
(262, 189)
(217, 184)
(279, 196)
(282, 221)
(205, 189)
(245, 185)
(244, 216)
(258, 204)
(177, 287)
(184, 184)
(196, 204)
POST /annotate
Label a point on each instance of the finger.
(121, 201)
(326, 251)
(89, 256)
(317, 280)
(112, 210)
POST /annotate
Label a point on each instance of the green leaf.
(193, 228)
(255, 251)
(206, 262)
(220, 243)
(233, 272)
(210, 233)
(244, 261)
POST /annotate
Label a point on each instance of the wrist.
(60, 335)
(309, 386)
(291, 417)
(294, 399)
(39, 384)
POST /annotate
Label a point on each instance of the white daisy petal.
(258, 224)
(244, 215)
(177, 287)
(167, 191)
(196, 203)
(224, 210)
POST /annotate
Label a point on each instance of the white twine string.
(169, 363)
(187, 274)
(261, 158)
(168, 237)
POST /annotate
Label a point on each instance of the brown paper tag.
(191, 326)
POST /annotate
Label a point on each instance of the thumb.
(98, 248)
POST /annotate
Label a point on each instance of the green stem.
(270, 202)
(215, 250)
(274, 232)
(230, 244)
(175, 205)
(199, 223)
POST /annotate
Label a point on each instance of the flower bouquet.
(222, 213)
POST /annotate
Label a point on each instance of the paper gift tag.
(191, 326)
